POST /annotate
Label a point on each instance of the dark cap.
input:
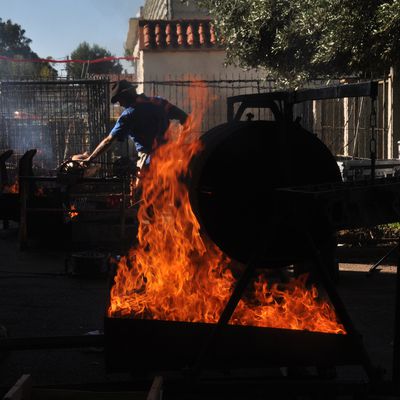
(120, 87)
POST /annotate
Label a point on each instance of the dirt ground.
(37, 299)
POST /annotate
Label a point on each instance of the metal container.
(87, 264)
(136, 344)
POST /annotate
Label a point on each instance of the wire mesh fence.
(342, 124)
(63, 117)
(58, 118)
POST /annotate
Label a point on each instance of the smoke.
(22, 134)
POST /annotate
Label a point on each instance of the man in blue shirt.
(145, 119)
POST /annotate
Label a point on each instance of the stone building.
(175, 42)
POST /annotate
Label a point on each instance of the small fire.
(40, 192)
(72, 211)
(14, 188)
(175, 274)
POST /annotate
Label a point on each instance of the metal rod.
(396, 334)
(226, 315)
(56, 210)
(378, 263)
(81, 181)
(340, 309)
(51, 342)
(23, 230)
(123, 211)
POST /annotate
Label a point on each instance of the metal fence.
(58, 118)
(64, 117)
(342, 124)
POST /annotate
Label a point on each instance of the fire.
(40, 192)
(175, 274)
(72, 211)
(14, 188)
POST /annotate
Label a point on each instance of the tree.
(14, 43)
(298, 39)
(85, 51)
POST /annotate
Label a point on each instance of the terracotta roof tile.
(202, 34)
(159, 33)
(164, 34)
(179, 34)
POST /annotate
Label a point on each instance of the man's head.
(123, 92)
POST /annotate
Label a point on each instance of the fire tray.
(136, 344)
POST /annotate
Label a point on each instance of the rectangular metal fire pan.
(135, 344)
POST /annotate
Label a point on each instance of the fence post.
(393, 111)
(317, 115)
(346, 121)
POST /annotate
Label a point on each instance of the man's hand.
(86, 162)
(83, 159)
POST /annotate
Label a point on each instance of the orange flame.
(175, 274)
(14, 188)
(72, 211)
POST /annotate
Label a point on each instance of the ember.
(72, 211)
(14, 188)
(40, 192)
(176, 274)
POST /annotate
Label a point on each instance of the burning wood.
(176, 274)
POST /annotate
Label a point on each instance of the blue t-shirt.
(146, 122)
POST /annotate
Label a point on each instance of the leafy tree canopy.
(14, 43)
(85, 51)
(299, 39)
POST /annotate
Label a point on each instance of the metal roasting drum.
(266, 193)
(233, 189)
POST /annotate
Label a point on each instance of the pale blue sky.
(56, 27)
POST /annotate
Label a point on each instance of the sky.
(57, 27)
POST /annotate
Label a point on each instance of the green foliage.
(14, 43)
(87, 52)
(298, 39)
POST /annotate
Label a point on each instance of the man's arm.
(101, 148)
(175, 112)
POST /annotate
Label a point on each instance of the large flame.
(175, 274)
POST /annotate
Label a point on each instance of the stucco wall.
(158, 69)
(166, 64)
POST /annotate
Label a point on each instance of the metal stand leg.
(123, 210)
(340, 308)
(23, 229)
(396, 339)
(375, 266)
(226, 315)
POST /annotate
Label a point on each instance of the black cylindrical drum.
(233, 188)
